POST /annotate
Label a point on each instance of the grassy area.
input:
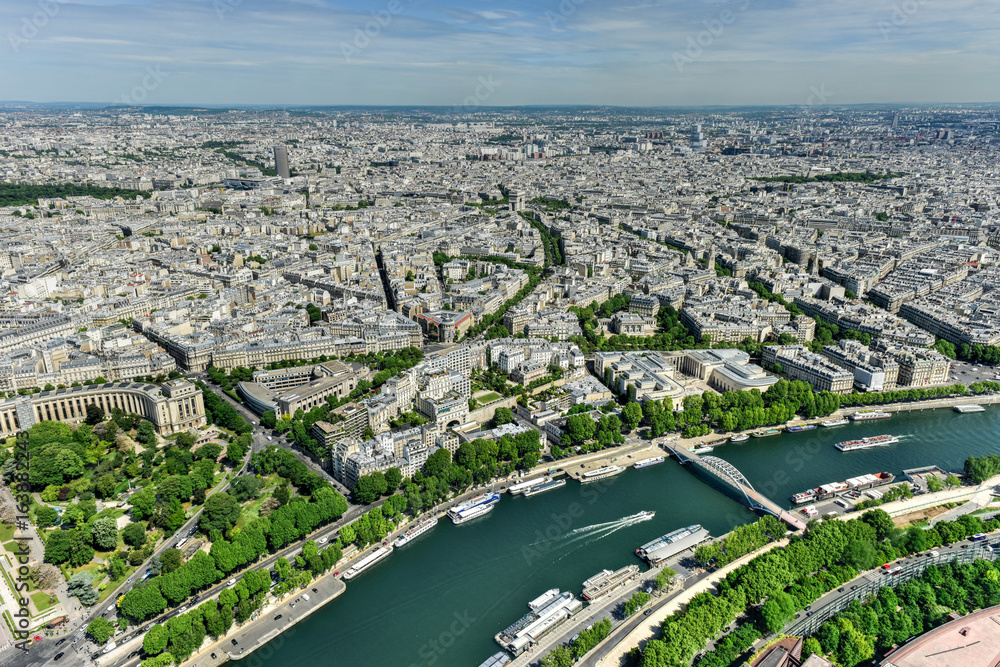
(6, 532)
(42, 601)
(489, 398)
(12, 547)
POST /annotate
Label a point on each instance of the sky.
(476, 53)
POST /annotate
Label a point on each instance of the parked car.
(277, 617)
(234, 642)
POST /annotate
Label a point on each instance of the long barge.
(366, 562)
(521, 487)
(548, 611)
(601, 473)
(645, 463)
(606, 581)
(474, 508)
(416, 531)
(830, 490)
(868, 415)
(800, 429)
(542, 488)
(867, 443)
(671, 544)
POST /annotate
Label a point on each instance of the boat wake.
(597, 531)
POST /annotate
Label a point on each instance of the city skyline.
(744, 52)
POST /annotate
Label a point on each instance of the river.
(440, 600)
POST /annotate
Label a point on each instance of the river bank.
(649, 628)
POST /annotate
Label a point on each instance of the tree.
(219, 512)
(100, 630)
(437, 462)
(632, 415)
(95, 415)
(81, 586)
(393, 478)
(146, 433)
(58, 547)
(104, 533)
(46, 576)
(880, 521)
(503, 416)
(155, 641)
(267, 420)
(246, 487)
(170, 560)
(44, 515)
(210, 450)
(134, 535)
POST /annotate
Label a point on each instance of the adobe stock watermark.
(487, 85)
(20, 486)
(558, 532)
(223, 7)
(363, 35)
(150, 82)
(899, 17)
(433, 650)
(566, 9)
(818, 95)
(714, 29)
(30, 25)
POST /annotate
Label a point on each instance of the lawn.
(12, 547)
(41, 600)
(6, 532)
(488, 398)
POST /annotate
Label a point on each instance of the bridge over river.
(737, 483)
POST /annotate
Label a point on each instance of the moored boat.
(497, 660)
(606, 581)
(968, 408)
(645, 463)
(542, 488)
(474, 508)
(739, 437)
(868, 415)
(830, 423)
(866, 443)
(367, 562)
(800, 429)
(601, 473)
(830, 490)
(416, 531)
(766, 434)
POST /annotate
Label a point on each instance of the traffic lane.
(874, 576)
(626, 628)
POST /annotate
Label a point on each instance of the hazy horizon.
(501, 53)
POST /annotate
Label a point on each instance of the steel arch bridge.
(728, 470)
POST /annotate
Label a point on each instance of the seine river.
(440, 600)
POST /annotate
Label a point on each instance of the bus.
(978, 537)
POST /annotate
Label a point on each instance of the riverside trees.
(804, 570)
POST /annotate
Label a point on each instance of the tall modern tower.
(281, 161)
(697, 138)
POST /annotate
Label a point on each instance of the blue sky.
(482, 52)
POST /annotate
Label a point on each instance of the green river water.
(440, 600)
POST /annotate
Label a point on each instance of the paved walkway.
(980, 495)
(649, 628)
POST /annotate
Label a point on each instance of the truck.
(111, 646)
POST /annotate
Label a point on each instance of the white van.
(305, 596)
